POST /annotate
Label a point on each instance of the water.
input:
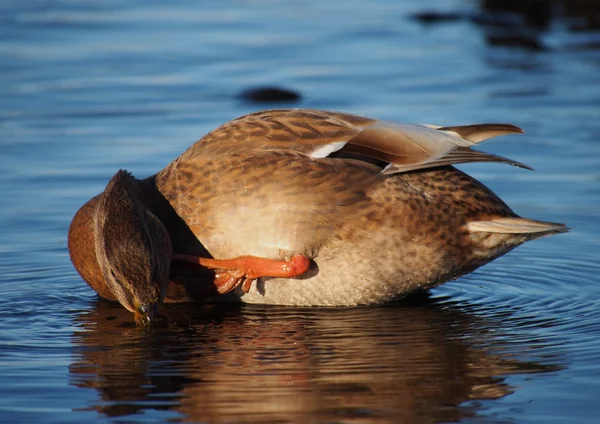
(89, 87)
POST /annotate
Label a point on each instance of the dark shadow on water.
(519, 23)
(415, 361)
(270, 94)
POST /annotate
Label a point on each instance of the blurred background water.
(88, 87)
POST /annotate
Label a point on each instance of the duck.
(300, 207)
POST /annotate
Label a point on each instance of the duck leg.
(243, 270)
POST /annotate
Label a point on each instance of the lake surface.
(89, 87)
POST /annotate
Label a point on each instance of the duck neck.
(153, 195)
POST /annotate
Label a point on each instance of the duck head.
(133, 249)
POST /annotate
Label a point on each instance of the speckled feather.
(252, 187)
(374, 204)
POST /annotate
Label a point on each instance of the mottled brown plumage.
(132, 249)
(374, 204)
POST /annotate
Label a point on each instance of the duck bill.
(146, 315)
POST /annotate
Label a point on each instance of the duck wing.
(397, 147)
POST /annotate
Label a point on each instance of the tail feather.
(517, 225)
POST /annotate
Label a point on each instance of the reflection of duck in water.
(416, 362)
(339, 209)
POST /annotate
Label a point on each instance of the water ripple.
(90, 87)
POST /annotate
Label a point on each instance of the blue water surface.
(89, 87)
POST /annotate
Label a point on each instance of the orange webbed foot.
(243, 270)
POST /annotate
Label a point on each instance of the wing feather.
(399, 147)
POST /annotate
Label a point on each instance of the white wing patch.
(327, 149)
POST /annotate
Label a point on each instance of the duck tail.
(497, 236)
(530, 228)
